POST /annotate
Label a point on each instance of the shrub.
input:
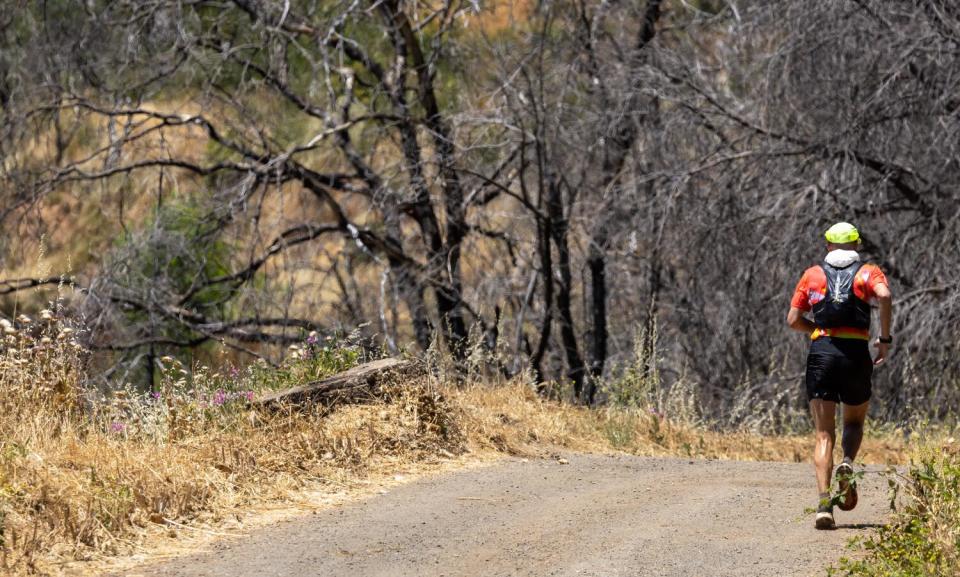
(924, 538)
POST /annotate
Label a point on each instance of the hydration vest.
(840, 306)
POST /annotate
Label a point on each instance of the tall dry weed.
(86, 473)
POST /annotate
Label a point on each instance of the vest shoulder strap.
(856, 266)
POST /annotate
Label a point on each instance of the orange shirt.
(812, 288)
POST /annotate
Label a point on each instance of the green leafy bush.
(924, 538)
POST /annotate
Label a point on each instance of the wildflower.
(155, 395)
(219, 398)
(117, 427)
(5, 323)
(46, 341)
(234, 372)
(46, 315)
(250, 395)
(25, 319)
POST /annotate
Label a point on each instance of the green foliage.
(638, 384)
(924, 539)
(640, 389)
(712, 7)
(193, 400)
(171, 259)
(177, 250)
(836, 497)
(621, 430)
(313, 360)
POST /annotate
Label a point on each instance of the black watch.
(887, 340)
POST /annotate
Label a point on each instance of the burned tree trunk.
(621, 141)
(576, 370)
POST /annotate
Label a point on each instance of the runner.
(838, 293)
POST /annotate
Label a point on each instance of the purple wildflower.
(117, 427)
(312, 339)
(155, 395)
(220, 398)
(249, 395)
(234, 372)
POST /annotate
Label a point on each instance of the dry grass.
(513, 419)
(86, 477)
(83, 477)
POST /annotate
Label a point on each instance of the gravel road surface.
(596, 516)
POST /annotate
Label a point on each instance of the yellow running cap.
(842, 233)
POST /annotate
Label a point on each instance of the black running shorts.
(839, 370)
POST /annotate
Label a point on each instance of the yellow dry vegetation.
(84, 478)
(514, 419)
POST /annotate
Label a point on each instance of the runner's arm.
(800, 304)
(885, 304)
(798, 322)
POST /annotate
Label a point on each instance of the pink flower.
(117, 427)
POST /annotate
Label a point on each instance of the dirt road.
(596, 516)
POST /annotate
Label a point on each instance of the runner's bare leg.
(825, 423)
(853, 418)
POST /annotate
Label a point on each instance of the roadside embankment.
(85, 475)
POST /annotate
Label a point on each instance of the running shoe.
(847, 485)
(824, 519)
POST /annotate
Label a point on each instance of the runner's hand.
(882, 349)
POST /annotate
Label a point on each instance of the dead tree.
(325, 85)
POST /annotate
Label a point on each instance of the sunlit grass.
(85, 474)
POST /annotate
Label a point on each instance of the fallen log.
(360, 382)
